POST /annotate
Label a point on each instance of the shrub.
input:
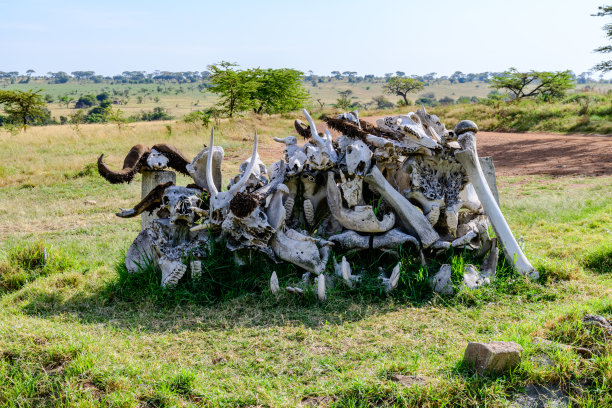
(86, 101)
(27, 262)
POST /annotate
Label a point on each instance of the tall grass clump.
(222, 279)
(28, 261)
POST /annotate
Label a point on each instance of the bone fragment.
(321, 290)
(468, 157)
(274, 286)
(361, 218)
(391, 283)
(412, 219)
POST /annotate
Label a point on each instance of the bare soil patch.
(517, 154)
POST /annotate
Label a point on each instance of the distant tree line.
(202, 78)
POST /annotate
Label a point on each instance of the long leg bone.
(412, 218)
(468, 157)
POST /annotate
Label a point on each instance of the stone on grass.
(409, 380)
(441, 282)
(495, 356)
(541, 396)
(600, 321)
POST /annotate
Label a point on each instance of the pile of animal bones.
(426, 182)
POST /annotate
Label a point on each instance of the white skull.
(358, 158)
(156, 160)
(178, 202)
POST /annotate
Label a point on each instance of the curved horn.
(151, 202)
(247, 173)
(132, 163)
(283, 140)
(313, 130)
(212, 188)
(301, 129)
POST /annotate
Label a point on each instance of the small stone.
(409, 380)
(600, 321)
(536, 396)
(441, 281)
(495, 356)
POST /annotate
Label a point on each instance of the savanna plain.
(76, 331)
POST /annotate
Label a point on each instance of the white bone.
(391, 283)
(156, 160)
(274, 286)
(358, 158)
(220, 200)
(352, 190)
(468, 157)
(197, 168)
(361, 218)
(411, 217)
(321, 290)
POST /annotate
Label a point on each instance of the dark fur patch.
(152, 201)
(243, 204)
(302, 129)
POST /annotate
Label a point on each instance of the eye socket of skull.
(165, 200)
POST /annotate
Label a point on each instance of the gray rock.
(441, 281)
(409, 380)
(541, 396)
(472, 278)
(495, 356)
(600, 321)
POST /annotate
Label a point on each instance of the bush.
(158, 113)
(86, 101)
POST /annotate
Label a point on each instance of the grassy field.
(180, 99)
(70, 335)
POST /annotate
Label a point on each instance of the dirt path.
(544, 153)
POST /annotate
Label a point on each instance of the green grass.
(79, 331)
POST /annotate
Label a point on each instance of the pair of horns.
(245, 177)
(136, 159)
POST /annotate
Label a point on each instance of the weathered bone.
(468, 157)
(391, 282)
(412, 219)
(274, 286)
(361, 218)
(197, 168)
(220, 200)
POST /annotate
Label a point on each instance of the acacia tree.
(605, 66)
(278, 90)
(233, 87)
(23, 107)
(262, 90)
(533, 83)
(402, 87)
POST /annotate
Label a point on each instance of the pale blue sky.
(370, 37)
